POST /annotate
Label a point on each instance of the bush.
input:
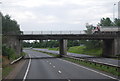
(9, 52)
(5, 50)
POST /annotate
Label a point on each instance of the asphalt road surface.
(43, 66)
(102, 60)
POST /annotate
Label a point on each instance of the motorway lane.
(55, 68)
(102, 60)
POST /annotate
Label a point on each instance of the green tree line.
(9, 27)
(50, 43)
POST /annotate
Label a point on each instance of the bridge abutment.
(111, 47)
(63, 47)
(117, 46)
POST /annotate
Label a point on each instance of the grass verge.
(81, 50)
(108, 69)
(6, 70)
(6, 67)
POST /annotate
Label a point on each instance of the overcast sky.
(52, 15)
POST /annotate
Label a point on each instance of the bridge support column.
(108, 46)
(117, 46)
(111, 47)
(63, 47)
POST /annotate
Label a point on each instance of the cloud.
(58, 14)
(37, 3)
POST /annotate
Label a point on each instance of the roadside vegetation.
(9, 26)
(8, 55)
(6, 60)
(82, 50)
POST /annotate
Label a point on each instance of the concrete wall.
(117, 46)
(108, 48)
(111, 47)
(13, 42)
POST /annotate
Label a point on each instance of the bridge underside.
(111, 43)
(67, 37)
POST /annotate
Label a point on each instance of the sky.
(58, 15)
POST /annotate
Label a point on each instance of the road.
(43, 66)
(102, 60)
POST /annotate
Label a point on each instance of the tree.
(117, 22)
(10, 26)
(106, 22)
(89, 28)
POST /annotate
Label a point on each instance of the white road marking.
(26, 73)
(50, 63)
(90, 69)
(59, 71)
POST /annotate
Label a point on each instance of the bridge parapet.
(52, 32)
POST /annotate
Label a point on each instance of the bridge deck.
(68, 36)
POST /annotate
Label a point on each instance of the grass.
(77, 49)
(6, 67)
(23, 54)
(105, 68)
(82, 50)
(6, 71)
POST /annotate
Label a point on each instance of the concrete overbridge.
(111, 42)
(68, 37)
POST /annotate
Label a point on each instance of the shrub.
(9, 52)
